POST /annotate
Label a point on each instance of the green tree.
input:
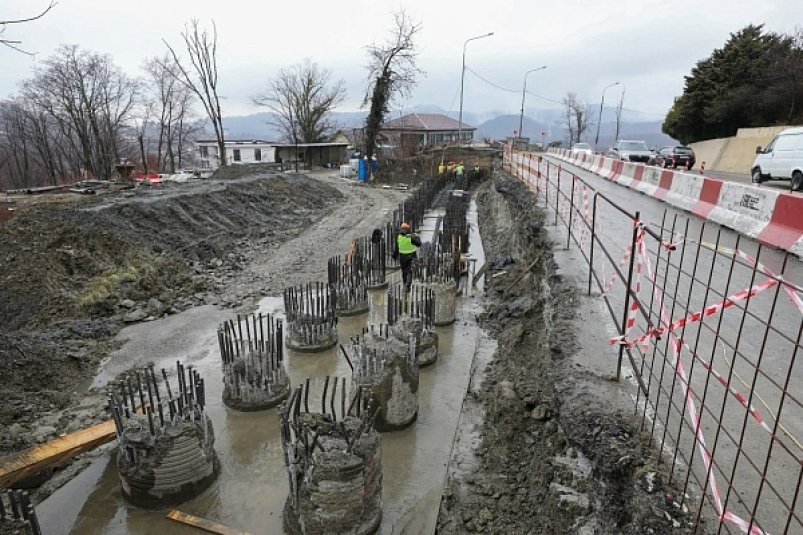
(753, 80)
(392, 71)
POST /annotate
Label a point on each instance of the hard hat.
(405, 226)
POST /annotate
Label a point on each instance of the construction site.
(240, 355)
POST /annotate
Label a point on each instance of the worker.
(450, 169)
(441, 169)
(477, 171)
(405, 249)
(459, 170)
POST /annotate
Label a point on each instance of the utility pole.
(523, 92)
(599, 119)
(462, 78)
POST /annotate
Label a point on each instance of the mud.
(73, 271)
(550, 456)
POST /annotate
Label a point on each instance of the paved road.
(734, 343)
(783, 186)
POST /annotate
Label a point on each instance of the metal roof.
(425, 122)
(293, 145)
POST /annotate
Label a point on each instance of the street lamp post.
(599, 119)
(523, 92)
(462, 77)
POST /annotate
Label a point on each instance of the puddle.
(252, 487)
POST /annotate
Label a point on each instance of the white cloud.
(647, 45)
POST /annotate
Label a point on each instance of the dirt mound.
(71, 273)
(553, 458)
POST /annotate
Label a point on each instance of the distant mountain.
(257, 125)
(504, 125)
(495, 125)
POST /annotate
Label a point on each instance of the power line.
(478, 75)
(475, 73)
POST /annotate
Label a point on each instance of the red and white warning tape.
(710, 310)
(793, 291)
(676, 343)
(628, 251)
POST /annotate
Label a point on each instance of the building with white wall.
(238, 151)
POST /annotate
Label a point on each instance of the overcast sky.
(646, 45)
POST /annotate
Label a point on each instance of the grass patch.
(102, 287)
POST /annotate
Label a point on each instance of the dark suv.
(676, 157)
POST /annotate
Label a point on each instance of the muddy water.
(252, 487)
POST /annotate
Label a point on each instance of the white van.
(782, 159)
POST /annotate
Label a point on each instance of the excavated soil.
(552, 456)
(74, 270)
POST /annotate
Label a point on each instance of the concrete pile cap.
(385, 347)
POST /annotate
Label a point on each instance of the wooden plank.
(25, 463)
(203, 523)
(480, 272)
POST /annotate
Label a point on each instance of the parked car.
(581, 148)
(630, 151)
(782, 159)
(675, 157)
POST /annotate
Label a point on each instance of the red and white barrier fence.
(771, 217)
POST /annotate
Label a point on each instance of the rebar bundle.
(342, 420)
(311, 312)
(252, 351)
(375, 348)
(165, 437)
(438, 268)
(348, 278)
(372, 253)
(418, 303)
(454, 238)
(17, 514)
(138, 395)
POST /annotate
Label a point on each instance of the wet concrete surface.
(252, 487)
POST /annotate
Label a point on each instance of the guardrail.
(710, 325)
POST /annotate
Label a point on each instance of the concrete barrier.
(734, 154)
(771, 217)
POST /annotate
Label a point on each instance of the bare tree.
(202, 77)
(392, 71)
(303, 94)
(170, 104)
(576, 116)
(619, 109)
(13, 43)
(568, 117)
(89, 101)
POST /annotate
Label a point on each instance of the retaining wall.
(734, 154)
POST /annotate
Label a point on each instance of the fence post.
(593, 235)
(571, 210)
(633, 253)
(557, 198)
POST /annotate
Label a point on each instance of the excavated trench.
(532, 448)
(544, 447)
(252, 487)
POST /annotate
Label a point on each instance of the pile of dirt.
(72, 273)
(553, 456)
